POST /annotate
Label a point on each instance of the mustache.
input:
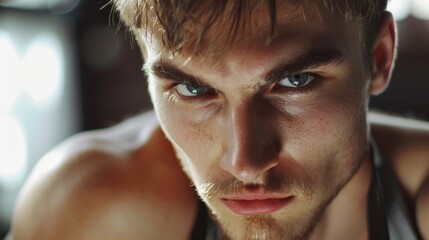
(233, 186)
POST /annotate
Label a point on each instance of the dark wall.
(408, 93)
(112, 85)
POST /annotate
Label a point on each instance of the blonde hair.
(172, 20)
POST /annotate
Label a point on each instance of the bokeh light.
(13, 151)
(10, 85)
(420, 9)
(400, 8)
(43, 69)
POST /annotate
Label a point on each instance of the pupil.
(194, 90)
(298, 79)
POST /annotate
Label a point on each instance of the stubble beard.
(265, 227)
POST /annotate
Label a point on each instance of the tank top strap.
(388, 217)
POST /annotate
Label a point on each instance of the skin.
(249, 132)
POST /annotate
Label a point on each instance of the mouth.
(256, 204)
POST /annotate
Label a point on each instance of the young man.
(261, 111)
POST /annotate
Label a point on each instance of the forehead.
(298, 25)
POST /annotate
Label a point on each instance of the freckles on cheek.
(194, 139)
(337, 133)
(181, 125)
(311, 119)
(178, 128)
(326, 122)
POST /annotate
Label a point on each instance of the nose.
(252, 147)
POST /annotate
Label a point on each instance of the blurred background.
(66, 66)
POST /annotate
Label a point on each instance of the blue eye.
(297, 80)
(189, 90)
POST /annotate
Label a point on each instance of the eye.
(189, 90)
(297, 80)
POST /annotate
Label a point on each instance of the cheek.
(196, 138)
(193, 141)
(335, 116)
(328, 138)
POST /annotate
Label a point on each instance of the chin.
(296, 221)
(269, 228)
(290, 224)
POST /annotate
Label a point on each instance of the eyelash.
(301, 90)
(174, 96)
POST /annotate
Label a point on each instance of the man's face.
(269, 134)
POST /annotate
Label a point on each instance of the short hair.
(173, 19)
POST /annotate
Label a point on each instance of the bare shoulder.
(405, 143)
(119, 183)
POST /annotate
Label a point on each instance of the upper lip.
(260, 194)
(255, 197)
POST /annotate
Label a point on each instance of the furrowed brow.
(309, 60)
(172, 73)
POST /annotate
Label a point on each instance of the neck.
(345, 217)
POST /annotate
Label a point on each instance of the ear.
(383, 54)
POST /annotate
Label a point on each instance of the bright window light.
(37, 92)
(13, 151)
(43, 69)
(421, 9)
(10, 82)
(57, 6)
(400, 8)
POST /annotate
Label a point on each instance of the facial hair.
(259, 227)
(266, 227)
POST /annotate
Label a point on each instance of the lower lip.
(257, 206)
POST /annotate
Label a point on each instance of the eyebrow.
(311, 59)
(172, 73)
